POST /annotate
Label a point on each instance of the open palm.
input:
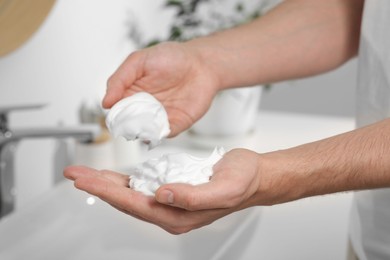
(233, 187)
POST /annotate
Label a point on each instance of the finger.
(128, 213)
(81, 184)
(168, 227)
(212, 195)
(165, 222)
(172, 219)
(115, 177)
(114, 92)
(75, 172)
(122, 79)
(133, 202)
(112, 193)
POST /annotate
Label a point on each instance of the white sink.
(63, 225)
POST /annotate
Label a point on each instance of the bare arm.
(356, 160)
(298, 38)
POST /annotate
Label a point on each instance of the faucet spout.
(84, 133)
(9, 138)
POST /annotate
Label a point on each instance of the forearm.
(356, 160)
(297, 39)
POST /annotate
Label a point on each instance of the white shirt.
(370, 219)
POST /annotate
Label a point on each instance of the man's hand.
(179, 208)
(174, 74)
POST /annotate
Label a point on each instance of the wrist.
(282, 178)
(210, 57)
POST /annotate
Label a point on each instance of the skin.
(297, 39)
(174, 75)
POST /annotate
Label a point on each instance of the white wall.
(332, 93)
(81, 43)
(67, 61)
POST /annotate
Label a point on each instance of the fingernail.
(166, 196)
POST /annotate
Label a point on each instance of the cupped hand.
(173, 73)
(179, 208)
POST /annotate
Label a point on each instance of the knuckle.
(185, 223)
(191, 202)
(178, 230)
(171, 231)
(229, 203)
(236, 199)
(111, 80)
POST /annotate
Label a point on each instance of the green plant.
(194, 18)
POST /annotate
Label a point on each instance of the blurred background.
(79, 45)
(68, 60)
(65, 63)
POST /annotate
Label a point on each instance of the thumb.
(210, 195)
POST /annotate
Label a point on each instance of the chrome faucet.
(8, 140)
